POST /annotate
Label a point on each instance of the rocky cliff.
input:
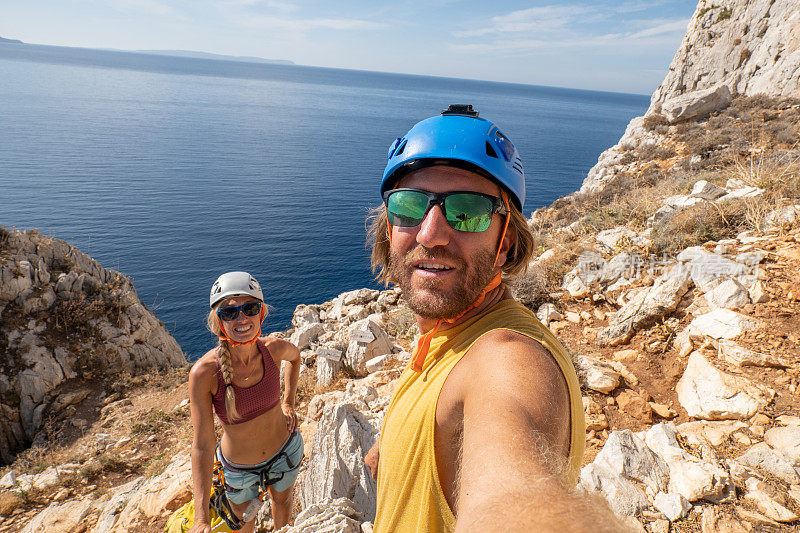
(736, 48)
(65, 320)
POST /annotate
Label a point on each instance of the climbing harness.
(219, 498)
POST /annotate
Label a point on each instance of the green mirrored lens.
(468, 212)
(406, 208)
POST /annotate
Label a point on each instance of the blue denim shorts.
(242, 482)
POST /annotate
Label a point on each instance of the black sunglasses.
(230, 312)
(464, 210)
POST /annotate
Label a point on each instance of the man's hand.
(371, 459)
(200, 527)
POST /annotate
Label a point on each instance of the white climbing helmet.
(235, 284)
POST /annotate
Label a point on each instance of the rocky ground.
(671, 277)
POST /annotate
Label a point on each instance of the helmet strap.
(223, 336)
(505, 226)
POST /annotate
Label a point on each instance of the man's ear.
(509, 240)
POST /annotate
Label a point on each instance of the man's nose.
(434, 230)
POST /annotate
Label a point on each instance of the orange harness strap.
(424, 343)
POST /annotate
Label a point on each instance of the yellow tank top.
(410, 497)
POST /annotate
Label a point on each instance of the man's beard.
(426, 298)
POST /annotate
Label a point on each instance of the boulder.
(758, 494)
(689, 476)
(367, 341)
(768, 461)
(626, 455)
(696, 104)
(729, 294)
(622, 266)
(711, 394)
(673, 506)
(735, 354)
(786, 440)
(707, 191)
(596, 374)
(624, 497)
(336, 467)
(721, 324)
(646, 307)
(328, 516)
(306, 334)
(547, 313)
(708, 269)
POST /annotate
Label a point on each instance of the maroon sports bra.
(254, 400)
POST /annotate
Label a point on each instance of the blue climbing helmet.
(458, 138)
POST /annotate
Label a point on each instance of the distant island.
(221, 57)
(11, 41)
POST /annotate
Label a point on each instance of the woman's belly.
(256, 440)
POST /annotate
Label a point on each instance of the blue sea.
(174, 170)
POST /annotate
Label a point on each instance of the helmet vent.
(490, 151)
(400, 149)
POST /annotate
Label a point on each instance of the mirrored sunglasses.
(464, 210)
(230, 312)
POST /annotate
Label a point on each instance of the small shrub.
(9, 502)
(743, 57)
(704, 11)
(724, 14)
(655, 122)
(531, 289)
(699, 224)
(5, 238)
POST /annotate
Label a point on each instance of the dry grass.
(9, 502)
(699, 224)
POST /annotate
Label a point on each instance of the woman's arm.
(288, 352)
(201, 381)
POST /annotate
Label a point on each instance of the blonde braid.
(224, 357)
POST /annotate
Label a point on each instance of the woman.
(239, 380)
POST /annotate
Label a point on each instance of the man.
(485, 430)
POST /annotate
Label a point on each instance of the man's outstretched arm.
(515, 444)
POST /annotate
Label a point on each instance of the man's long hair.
(519, 255)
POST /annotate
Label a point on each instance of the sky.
(623, 46)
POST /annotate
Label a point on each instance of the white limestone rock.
(707, 191)
(328, 516)
(624, 497)
(758, 493)
(764, 459)
(624, 454)
(721, 324)
(547, 313)
(714, 432)
(306, 334)
(377, 363)
(646, 307)
(696, 104)
(367, 341)
(673, 506)
(336, 467)
(597, 375)
(735, 354)
(711, 394)
(60, 516)
(689, 476)
(729, 294)
(786, 440)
